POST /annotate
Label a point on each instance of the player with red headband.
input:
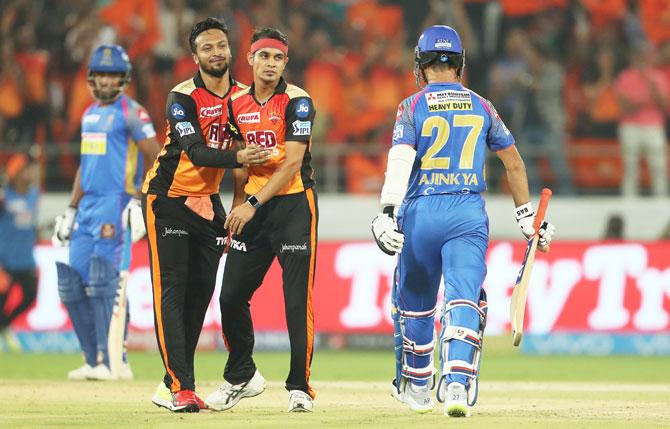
(278, 219)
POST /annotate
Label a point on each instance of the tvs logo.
(211, 111)
(249, 118)
(267, 139)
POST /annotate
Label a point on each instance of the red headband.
(268, 43)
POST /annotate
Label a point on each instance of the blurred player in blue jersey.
(434, 179)
(18, 233)
(116, 136)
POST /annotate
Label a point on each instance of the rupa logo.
(211, 111)
(249, 118)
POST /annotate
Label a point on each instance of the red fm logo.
(267, 139)
(219, 137)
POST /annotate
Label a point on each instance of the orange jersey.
(287, 116)
(197, 142)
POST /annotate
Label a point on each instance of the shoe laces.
(231, 391)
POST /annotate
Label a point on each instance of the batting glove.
(525, 217)
(388, 236)
(132, 215)
(63, 227)
(546, 233)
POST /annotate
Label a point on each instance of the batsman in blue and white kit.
(434, 216)
(116, 135)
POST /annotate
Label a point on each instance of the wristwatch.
(254, 202)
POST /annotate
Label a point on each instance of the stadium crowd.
(553, 67)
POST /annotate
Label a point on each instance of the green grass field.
(353, 391)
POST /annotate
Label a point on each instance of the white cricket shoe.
(81, 373)
(419, 398)
(227, 395)
(100, 373)
(126, 372)
(299, 402)
(162, 397)
(456, 403)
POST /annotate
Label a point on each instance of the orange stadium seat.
(600, 166)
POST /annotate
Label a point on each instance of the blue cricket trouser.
(446, 235)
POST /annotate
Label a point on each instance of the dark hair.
(269, 33)
(208, 24)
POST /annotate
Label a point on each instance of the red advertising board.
(620, 287)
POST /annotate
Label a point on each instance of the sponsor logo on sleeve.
(249, 118)
(143, 115)
(443, 101)
(211, 111)
(499, 119)
(148, 130)
(184, 128)
(302, 128)
(400, 111)
(302, 109)
(177, 111)
(398, 131)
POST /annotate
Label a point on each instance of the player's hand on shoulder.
(132, 218)
(63, 225)
(546, 233)
(388, 236)
(253, 155)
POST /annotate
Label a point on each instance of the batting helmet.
(109, 59)
(439, 43)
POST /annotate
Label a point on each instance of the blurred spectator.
(543, 121)
(18, 234)
(614, 228)
(643, 92)
(353, 58)
(600, 111)
(655, 17)
(505, 74)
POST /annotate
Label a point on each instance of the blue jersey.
(110, 160)
(18, 228)
(450, 127)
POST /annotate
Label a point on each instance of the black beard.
(214, 72)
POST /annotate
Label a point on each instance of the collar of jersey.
(199, 83)
(279, 89)
(449, 84)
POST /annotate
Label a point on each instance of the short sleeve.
(232, 123)
(299, 119)
(498, 137)
(404, 129)
(139, 123)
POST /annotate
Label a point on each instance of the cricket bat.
(517, 308)
(117, 326)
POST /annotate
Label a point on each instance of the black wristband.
(254, 202)
(388, 210)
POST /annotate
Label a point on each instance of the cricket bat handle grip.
(542, 208)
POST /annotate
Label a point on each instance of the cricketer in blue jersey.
(18, 233)
(434, 180)
(116, 135)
